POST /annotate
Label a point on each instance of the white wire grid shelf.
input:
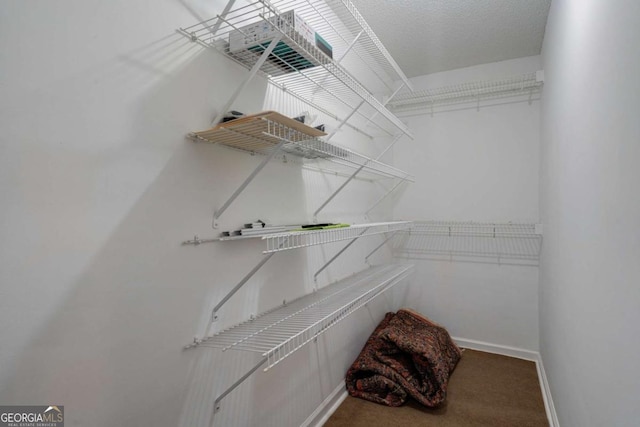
(264, 132)
(322, 15)
(487, 242)
(528, 84)
(278, 333)
(285, 241)
(310, 74)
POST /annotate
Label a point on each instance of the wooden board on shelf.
(251, 133)
(268, 115)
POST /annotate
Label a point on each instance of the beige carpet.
(484, 390)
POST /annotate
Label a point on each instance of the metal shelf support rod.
(385, 196)
(315, 276)
(283, 88)
(235, 289)
(246, 182)
(244, 280)
(345, 120)
(214, 29)
(353, 175)
(248, 78)
(395, 92)
(340, 74)
(351, 45)
(339, 60)
(366, 259)
(216, 403)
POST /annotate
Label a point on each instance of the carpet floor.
(484, 390)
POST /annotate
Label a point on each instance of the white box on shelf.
(260, 32)
(257, 36)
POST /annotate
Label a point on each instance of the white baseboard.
(516, 352)
(519, 353)
(327, 407)
(546, 394)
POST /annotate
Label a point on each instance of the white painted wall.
(475, 166)
(99, 186)
(590, 298)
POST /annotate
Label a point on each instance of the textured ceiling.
(428, 36)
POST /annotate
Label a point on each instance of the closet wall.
(475, 165)
(99, 186)
(590, 208)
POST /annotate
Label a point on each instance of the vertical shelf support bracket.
(384, 196)
(245, 279)
(236, 288)
(216, 403)
(343, 122)
(366, 259)
(246, 182)
(215, 27)
(353, 175)
(395, 92)
(250, 76)
(333, 258)
(339, 60)
(351, 45)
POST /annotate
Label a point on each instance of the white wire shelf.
(261, 133)
(294, 240)
(278, 333)
(521, 85)
(297, 65)
(491, 242)
(341, 22)
(285, 241)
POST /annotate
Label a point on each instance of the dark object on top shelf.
(232, 115)
(256, 224)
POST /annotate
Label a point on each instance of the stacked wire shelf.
(278, 333)
(284, 241)
(486, 242)
(260, 134)
(313, 76)
(294, 240)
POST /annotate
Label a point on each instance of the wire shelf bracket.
(384, 196)
(278, 333)
(299, 239)
(270, 133)
(350, 178)
(333, 258)
(311, 70)
(370, 254)
(252, 73)
(245, 183)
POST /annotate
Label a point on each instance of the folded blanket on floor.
(406, 356)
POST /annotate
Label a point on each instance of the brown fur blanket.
(406, 356)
